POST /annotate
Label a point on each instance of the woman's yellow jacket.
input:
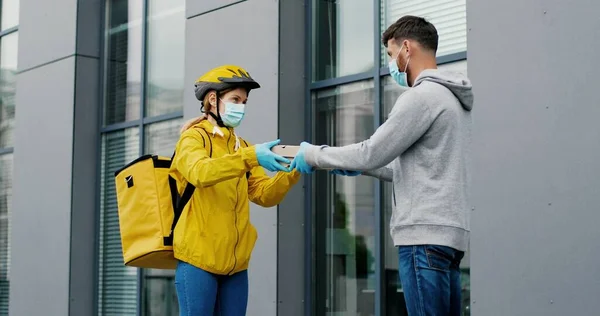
(214, 232)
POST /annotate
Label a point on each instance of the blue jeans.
(430, 278)
(201, 293)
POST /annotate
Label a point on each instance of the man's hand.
(348, 173)
(299, 163)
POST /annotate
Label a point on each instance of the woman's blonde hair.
(192, 122)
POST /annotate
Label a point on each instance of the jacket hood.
(456, 82)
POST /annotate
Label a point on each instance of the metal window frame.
(100, 111)
(9, 30)
(377, 75)
(379, 222)
(140, 123)
(6, 151)
(308, 179)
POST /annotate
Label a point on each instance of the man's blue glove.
(268, 159)
(348, 173)
(299, 163)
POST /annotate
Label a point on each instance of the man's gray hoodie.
(424, 149)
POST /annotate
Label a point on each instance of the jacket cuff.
(294, 176)
(249, 157)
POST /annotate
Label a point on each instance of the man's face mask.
(399, 77)
(234, 113)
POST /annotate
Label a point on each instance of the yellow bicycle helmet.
(222, 78)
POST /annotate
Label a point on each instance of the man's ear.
(410, 47)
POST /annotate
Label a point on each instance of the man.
(423, 149)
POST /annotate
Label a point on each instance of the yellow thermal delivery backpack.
(149, 207)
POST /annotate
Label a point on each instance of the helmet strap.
(218, 119)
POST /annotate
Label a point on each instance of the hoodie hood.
(456, 82)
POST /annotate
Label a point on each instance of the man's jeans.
(430, 278)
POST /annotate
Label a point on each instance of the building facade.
(88, 85)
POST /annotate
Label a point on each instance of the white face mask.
(400, 77)
(234, 113)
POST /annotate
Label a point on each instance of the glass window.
(6, 173)
(394, 304)
(448, 16)
(8, 85)
(162, 137)
(165, 44)
(123, 69)
(10, 14)
(344, 216)
(160, 297)
(117, 283)
(343, 38)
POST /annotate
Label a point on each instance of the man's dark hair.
(412, 28)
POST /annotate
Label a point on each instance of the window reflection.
(9, 14)
(6, 180)
(8, 85)
(448, 16)
(159, 295)
(160, 138)
(117, 283)
(123, 61)
(344, 215)
(166, 39)
(394, 304)
(343, 38)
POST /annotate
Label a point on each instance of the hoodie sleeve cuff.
(311, 155)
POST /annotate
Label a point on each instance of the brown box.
(286, 151)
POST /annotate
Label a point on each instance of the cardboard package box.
(287, 151)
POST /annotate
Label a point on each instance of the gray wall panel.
(536, 187)
(195, 8)
(292, 104)
(41, 220)
(85, 162)
(256, 49)
(46, 31)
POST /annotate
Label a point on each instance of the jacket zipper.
(237, 233)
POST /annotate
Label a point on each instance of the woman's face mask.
(233, 114)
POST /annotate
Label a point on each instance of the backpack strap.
(204, 142)
(179, 202)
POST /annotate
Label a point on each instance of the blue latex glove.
(348, 173)
(268, 159)
(299, 163)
